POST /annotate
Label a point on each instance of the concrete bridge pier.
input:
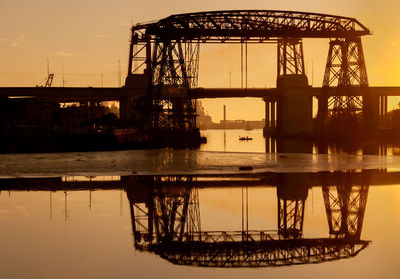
(376, 109)
(271, 108)
(291, 112)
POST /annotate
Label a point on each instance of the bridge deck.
(371, 177)
(200, 93)
(70, 93)
(115, 93)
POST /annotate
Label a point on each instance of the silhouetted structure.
(345, 207)
(292, 193)
(167, 51)
(166, 220)
(165, 216)
(158, 99)
(345, 68)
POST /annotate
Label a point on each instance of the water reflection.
(165, 215)
(291, 145)
(227, 140)
(166, 220)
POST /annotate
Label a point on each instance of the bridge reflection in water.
(165, 216)
(166, 220)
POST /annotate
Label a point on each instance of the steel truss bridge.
(163, 67)
(164, 56)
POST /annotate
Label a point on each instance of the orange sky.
(84, 40)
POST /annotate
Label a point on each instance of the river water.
(101, 215)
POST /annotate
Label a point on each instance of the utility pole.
(63, 78)
(241, 64)
(224, 113)
(312, 72)
(246, 63)
(101, 80)
(119, 72)
(230, 80)
(48, 67)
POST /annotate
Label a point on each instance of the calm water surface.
(265, 226)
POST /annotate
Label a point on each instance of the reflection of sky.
(97, 242)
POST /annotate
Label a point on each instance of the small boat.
(245, 138)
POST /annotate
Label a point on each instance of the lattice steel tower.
(345, 68)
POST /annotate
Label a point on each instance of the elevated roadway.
(115, 93)
(290, 180)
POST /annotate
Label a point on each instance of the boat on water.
(245, 138)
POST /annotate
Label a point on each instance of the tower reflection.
(345, 207)
(165, 217)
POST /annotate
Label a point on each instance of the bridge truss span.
(260, 254)
(252, 25)
(164, 57)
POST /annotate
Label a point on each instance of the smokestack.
(224, 116)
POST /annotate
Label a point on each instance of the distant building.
(204, 122)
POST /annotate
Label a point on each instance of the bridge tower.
(174, 71)
(345, 69)
(165, 69)
(345, 207)
(291, 112)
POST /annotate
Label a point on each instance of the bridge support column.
(295, 105)
(124, 108)
(271, 109)
(383, 108)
